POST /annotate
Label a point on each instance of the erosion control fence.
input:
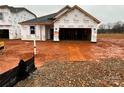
(11, 77)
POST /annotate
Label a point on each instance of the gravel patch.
(105, 73)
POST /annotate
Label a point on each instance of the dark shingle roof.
(47, 18)
(16, 9)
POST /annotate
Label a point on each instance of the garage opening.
(75, 34)
(4, 33)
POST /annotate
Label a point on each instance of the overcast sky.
(105, 13)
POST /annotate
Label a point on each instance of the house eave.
(37, 23)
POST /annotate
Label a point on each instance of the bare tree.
(117, 27)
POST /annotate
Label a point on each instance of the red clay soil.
(60, 51)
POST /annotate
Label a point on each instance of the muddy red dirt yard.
(71, 51)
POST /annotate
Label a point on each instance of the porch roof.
(47, 19)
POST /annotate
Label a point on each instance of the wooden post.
(35, 48)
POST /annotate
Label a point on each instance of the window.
(32, 29)
(1, 16)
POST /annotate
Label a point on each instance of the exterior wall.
(16, 27)
(12, 20)
(25, 33)
(6, 22)
(75, 19)
(6, 17)
(41, 32)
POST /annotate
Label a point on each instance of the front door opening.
(51, 34)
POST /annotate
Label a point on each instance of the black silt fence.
(11, 77)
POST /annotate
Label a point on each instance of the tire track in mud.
(74, 54)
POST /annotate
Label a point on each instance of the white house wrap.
(9, 21)
(70, 23)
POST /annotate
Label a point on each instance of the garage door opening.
(4, 33)
(75, 34)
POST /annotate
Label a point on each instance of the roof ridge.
(10, 6)
(47, 15)
(67, 6)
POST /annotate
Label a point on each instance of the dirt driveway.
(60, 51)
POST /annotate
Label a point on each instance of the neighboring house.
(9, 19)
(70, 23)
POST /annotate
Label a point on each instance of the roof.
(16, 9)
(66, 7)
(49, 19)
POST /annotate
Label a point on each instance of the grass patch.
(112, 36)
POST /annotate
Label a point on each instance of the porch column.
(94, 34)
(48, 34)
(56, 34)
(43, 33)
